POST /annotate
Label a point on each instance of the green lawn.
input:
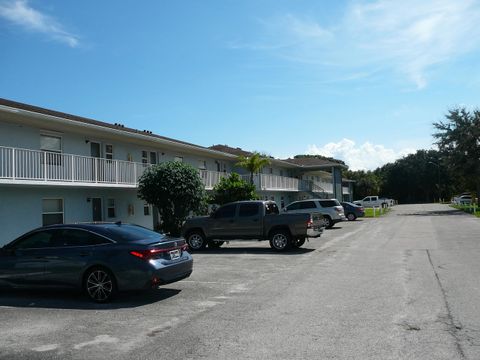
(378, 212)
(468, 209)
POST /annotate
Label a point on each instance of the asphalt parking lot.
(401, 287)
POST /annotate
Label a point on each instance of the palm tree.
(253, 163)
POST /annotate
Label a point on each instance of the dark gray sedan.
(101, 259)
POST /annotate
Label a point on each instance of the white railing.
(43, 166)
(274, 182)
(211, 178)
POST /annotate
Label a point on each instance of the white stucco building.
(57, 167)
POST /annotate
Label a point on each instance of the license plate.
(174, 254)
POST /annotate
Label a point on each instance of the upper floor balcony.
(34, 167)
(24, 166)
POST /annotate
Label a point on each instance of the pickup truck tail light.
(309, 223)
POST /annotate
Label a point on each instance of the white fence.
(33, 165)
(20, 165)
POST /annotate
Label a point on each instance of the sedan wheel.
(351, 216)
(100, 285)
(280, 241)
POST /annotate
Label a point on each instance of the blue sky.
(362, 81)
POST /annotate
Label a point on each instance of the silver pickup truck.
(252, 220)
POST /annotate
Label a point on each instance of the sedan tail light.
(153, 253)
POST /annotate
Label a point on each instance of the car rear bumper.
(315, 232)
(173, 273)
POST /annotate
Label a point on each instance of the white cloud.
(367, 156)
(21, 14)
(406, 37)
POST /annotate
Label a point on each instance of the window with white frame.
(202, 164)
(52, 211)
(51, 143)
(109, 151)
(178, 158)
(111, 208)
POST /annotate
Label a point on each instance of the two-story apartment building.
(60, 168)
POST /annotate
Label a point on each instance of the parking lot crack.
(453, 328)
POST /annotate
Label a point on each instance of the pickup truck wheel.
(298, 242)
(351, 216)
(280, 241)
(196, 240)
(215, 244)
(328, 222)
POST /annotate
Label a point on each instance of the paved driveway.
(405, 286)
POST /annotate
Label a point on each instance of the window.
(111, 208)
(271, 208)
(146, 209)
(52, 211)
(202, 164)
(77, 237)
(227, 211)
(307, 205)
(294, 206)
(109, 151)
(271, 170)
(328, 203)
(281, 172)
(178, 158)
(144, 157)
(50, 143)
(248, 210)
(40, 239)
(53, 146)
(153, 157)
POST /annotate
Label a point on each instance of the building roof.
(84, 120)
(313, 162)
(227, 149)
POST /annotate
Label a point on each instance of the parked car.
(251, 220)
(100, 259)
(331, 209)
(373, 201)
(463, 199)
(353, 211)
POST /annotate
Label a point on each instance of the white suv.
(331, 209)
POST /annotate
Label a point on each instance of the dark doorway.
(97, 209)
(95, 149)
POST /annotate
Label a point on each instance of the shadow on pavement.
(252, 250)
(71, 299)
(453, 212)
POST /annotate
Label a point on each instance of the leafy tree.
(176, 189)
(232, 188)
(366, 183)
(253, 163)
(458, 139)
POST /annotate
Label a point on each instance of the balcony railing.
(211, 178)
(23, 165)
(20, 166)
(274, 182)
